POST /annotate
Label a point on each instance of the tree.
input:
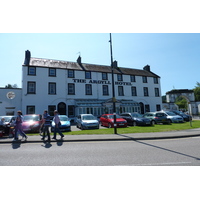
(11, 86)
(197, 92)
(181, 103)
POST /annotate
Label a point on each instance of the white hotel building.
(74, 88)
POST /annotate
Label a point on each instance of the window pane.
(70, 73)
(31, 88)
(52, 88)
(31, 71)
(120, 91)
(52, 72)
(88, 89)
(105, 89)
(104, 76)
(88, 75)
(71, 88)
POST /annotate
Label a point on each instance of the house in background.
(10, 101)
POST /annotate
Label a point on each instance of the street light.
(113, 88)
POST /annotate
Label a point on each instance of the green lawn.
(140, 129)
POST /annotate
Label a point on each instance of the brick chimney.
(27, 57)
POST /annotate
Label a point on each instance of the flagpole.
(113, 87)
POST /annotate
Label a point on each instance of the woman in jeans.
(18, 127)
(56, 119)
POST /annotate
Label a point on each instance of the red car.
(108, 121)
(32, 123)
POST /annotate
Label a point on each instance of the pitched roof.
(50, 63)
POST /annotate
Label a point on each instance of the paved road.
(168, 152)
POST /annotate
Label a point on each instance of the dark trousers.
(57, 130)
(46, 130)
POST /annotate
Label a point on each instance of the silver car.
(173, 117)
(87, 121)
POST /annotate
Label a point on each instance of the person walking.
(47, 124)
(18, 127)
(57, 122)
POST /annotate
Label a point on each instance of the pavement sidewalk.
(112, 137)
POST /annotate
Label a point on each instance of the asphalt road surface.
(167, 152)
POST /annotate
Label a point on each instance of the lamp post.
(113, 87)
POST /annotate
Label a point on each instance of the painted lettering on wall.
(100, 82)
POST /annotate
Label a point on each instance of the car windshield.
(31, 118)
(136, 115)
(170, 113)
(88, 117)
(112, 117)
(64, 118)
(7, 119)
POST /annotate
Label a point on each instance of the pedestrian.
(41, 130)
(47, 124)
(57, 122)
(18, 127)
(2, 125)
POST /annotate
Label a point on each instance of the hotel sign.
(100, 82)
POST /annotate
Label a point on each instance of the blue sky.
(162, 34)
(175, 57)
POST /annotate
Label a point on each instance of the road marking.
(170, 163)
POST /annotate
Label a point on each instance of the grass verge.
(137, 129)
(140, 129)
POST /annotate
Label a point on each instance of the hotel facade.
(74, 88)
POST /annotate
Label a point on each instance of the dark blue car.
(136, 119)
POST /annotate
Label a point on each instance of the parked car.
(157, 117)
(9, 120)
(65, 124)
(108, 121)
(136, 119)
(32, 123)
(186, 118)
(87, 121)
(173, 117)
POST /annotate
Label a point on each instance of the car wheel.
(152, 122)
(82, 127)
(109, 125)
(134, 124)
(169, 121)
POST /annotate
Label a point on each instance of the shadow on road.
(169, 150)
(16, 145)
(47, 145)
(59, 142)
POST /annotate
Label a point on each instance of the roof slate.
(41, 62)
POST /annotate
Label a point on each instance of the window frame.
(30, 68)
(134, 91)
(104, 76)
(105, 90)
(50, 89)
(70, 73)
(146, 91)
(144, 79)
(132, 78)
(119, 77)
(88, 89)
(88, 75)
(155, 80)
(28, 108)
(157, 92)
(29, 90)
(72, 85)
(52, 70)
(120, 91)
